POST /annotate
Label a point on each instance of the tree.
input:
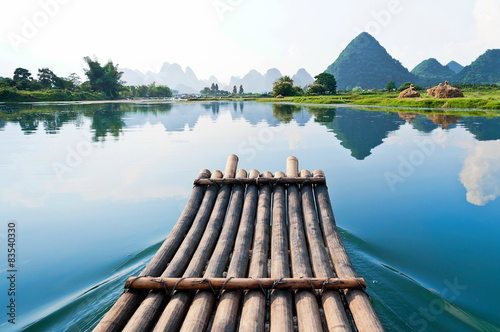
(235, 90)
(241, 90)
(391, 86)
(316, 88)
(328, 80)
(48, 80)
(74, 79)
(105, 79)
(23, 79)
(283, 86)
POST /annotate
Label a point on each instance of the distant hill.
(365, 63)
(430, 72)
(455, 66)
(485, 70)
(302, 78)
(258, 83)
(186, 81)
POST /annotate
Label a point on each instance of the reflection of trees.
(215, 107)
(106, 118)
(322, 115)
(284, 113)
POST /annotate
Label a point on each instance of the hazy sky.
(230, 37)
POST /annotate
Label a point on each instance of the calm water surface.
(94, 188)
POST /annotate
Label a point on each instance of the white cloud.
(481, 172)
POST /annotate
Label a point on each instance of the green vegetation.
(104, 79)
(324, 83)
(214, 90)
(485, 70)
(146, 91)
(390, 86)
(485, 99)
(365, 63)
(284, 87)
(430, 72)
(103, 83)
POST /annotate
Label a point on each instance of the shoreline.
(411, 105)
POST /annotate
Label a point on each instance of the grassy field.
(488, 99)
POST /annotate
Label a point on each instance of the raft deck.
(250, 252)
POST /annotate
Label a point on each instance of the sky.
(230, 37)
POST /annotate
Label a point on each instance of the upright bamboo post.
(364, 315)
(253, 314)
(179, 302)
(335, 316)
(201, 309)
(308, 316)
(116, 318)
(226, 319)
(281, 319)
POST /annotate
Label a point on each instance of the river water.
(93, 189)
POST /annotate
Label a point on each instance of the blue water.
(94, 188)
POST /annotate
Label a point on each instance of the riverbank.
(486, 100)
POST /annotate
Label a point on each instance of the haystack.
(409, 93)
(445, 91)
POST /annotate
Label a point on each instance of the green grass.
(482, 100)
(14, 95)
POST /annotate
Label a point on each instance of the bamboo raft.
(250, 252)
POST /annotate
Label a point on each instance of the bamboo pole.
(116, 318)
(147, 311)
(362, 311)
(179, 302)
(261, 180)
(201, 309)
(281, 319)
(208, 283)
(253, 314)
(226, 319)
(336, 318)
(308, 316)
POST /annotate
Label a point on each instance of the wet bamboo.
(281, 319)
(362, 311)
(308, 316)
(209, 283)
(116, 318)
(253, 313)
(179, 302)
(144, 317)
(336, 318)
(201, 309)
(225, 319)
(149, 307)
